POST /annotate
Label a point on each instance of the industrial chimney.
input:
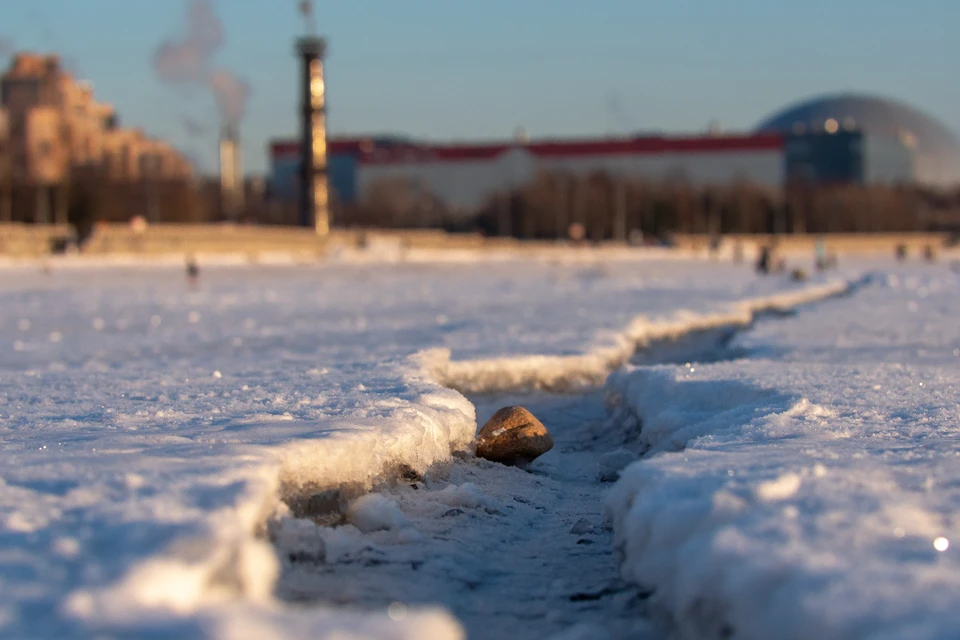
(231, 173)
(314, 194)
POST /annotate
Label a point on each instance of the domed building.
(933, 150)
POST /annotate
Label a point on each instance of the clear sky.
(455, 69)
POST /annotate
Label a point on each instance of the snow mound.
(612, 463)
(228, 561)
(809, 491)
(466, 495)
(298, 538)
(375, 512)
(421, 427)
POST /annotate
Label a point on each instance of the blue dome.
(936, 149)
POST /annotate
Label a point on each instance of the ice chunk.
(374, 512)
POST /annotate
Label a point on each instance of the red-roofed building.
(465, 176)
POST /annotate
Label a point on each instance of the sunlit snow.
(800, 481)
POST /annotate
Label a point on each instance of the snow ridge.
(610, 352)
(201, 578)
(801, 493)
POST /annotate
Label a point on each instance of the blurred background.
(618, 121)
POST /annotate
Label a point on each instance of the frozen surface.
(147, 431)
(810, 487)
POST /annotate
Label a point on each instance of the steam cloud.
(7, 47)
(186, 60)
(231, 93)
(193, 127)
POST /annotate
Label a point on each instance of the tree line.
(600, 206)
(603, 207)
(91, 196)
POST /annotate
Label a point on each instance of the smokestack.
(231, 174)
(186, 60)
(314, 195)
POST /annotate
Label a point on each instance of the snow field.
(808, 489)
(147, 432)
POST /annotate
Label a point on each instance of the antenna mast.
(306, 10)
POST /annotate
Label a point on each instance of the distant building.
(886, 139)
(55, 128)
(847, 157)
(849, 140)
(464, 176)
(345, 155)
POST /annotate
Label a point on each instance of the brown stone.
(513, 436)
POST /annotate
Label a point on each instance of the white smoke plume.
(231, 93)
(194, 128)
(186, 60)
(7, 47)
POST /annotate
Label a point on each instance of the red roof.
(546, 148)
(281, 148)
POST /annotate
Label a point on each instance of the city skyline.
(428, 69)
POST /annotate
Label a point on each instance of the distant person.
(901, 252)
(929, 254)
(715, 242)
(763, 262)
(820, 254)
(193, 272)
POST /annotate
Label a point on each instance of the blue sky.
(451, 69)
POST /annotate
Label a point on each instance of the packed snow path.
(511, 553)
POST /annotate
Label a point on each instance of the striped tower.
(314, 189)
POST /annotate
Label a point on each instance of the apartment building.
(53, 129)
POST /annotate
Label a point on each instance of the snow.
(611, 349)
(612, 463)
(510, 552)
(800, 489)
(152, 437)
(373, 512)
